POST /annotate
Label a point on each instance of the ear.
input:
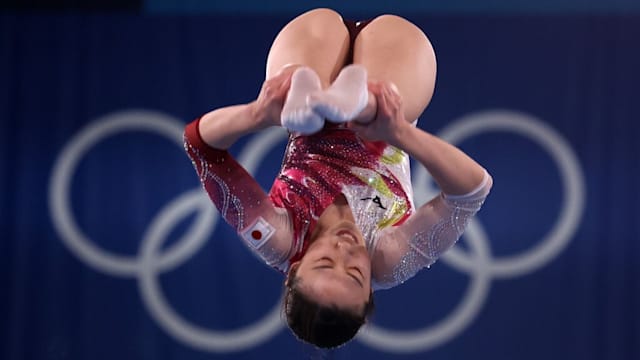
(292, 272)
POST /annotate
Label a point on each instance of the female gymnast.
(339, 220)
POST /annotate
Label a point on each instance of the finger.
(384, 102)
(394, 88)
(285, 85)
(391, 98)
(395, 93)
(279, 78)
(285, 70)
(375, 88)
(266, 90)
(393, 101)
(398, 100)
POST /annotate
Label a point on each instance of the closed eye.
(356, 279)
(355, 274)
(359, 272)
(358, 276)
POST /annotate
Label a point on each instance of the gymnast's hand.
(389, 121)
(268, 106)
(221, 127)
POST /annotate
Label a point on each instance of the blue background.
(575, 70)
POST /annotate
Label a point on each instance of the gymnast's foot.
(345, 98)
(296, 115)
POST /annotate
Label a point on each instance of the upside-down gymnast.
(339, 220)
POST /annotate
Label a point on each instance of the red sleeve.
(264, 228)
(231, 188)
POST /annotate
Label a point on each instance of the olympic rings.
(481, 267)
(573, 186)
(60, 197)
(150, 262)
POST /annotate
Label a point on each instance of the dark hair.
(323, 326)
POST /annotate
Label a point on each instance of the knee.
(394, 25)
(320, 23)
(324, 15)
(392, 20)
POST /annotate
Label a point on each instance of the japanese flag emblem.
(257, 234)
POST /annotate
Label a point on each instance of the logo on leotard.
(376, 200)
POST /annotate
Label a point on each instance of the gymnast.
(339, 221)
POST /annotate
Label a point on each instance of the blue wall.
(110, 250)
(404, 6)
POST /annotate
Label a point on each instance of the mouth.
(350, 236)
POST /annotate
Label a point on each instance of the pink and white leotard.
(374, 178)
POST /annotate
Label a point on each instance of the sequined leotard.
(374, 178)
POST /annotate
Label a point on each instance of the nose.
(344, 246)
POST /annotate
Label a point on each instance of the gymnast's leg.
(393, 49)
(319, 41)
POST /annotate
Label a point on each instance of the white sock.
(345, 98)
(296, 115)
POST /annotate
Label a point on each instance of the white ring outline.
(410, 341)
(573, 188)
(198, 337)
(146, 264)
(60, 193)
(573, 206)
(124, 266)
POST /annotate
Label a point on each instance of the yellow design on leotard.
(398, 205)
(397, 211)
(394, 157)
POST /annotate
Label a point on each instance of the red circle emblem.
(256, 235)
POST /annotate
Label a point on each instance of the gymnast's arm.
(221, 128)
(401, 251)
(264, 228)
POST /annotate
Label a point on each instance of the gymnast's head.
(328, 294)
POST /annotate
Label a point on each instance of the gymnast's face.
(336, 269)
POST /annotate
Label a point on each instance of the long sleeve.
(264, 228)
(401, 251)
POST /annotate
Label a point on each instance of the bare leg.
(393, 49)
(317, 39)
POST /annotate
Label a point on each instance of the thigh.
(393, 49)
(317, 39)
